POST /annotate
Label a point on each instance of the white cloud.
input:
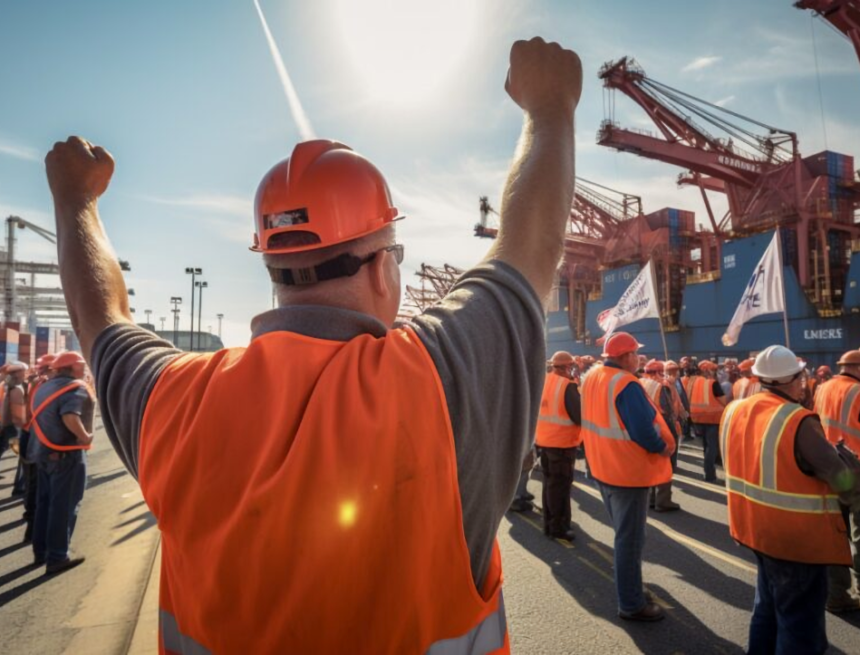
(19, 152)
(218, 203)
(722, 102)
(699, 63)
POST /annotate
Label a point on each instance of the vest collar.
(318, 322)
(848, 375)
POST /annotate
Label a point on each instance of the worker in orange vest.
(707, 401)
(628, 447)
(41, 375)
(838, 404)
(63, 425)
(822, 375)
(558, 436)
(740, 385)
(659, 391)
(405, 443)
(15, 418)
(782, 481)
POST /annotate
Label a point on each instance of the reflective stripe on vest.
(486, 637)
(652, 388)
(848, 415)
(614, 431)
(173, 640)
(77, 384)
(553, 417)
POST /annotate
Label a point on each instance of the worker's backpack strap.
(34, 424)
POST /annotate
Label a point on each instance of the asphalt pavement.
(560, 597)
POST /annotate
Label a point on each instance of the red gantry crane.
(844, 15)
(759, 169)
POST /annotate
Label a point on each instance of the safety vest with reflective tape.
(613, 457)
(554, 427)
(290, 546)
(838, 404)
(652, 388)
(774, 507)
(704, 406)
(739, 388)
(687, 381)
(34, 422)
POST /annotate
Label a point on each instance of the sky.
(188, 99)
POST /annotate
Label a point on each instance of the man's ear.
(376, 269)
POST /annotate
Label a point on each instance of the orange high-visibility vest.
(739, 388)
(614, 458)
(554, 427)
(688, 381)
(753, 387)
(838, 404)
(704, 406)
(340, 530)
(774, 507)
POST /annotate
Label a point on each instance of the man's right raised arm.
(546, 81)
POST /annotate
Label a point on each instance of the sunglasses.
(396, 250)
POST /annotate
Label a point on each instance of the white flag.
(638, 301)
(763, 295)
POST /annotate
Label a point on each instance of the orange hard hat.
(670, 366)
(851, 358)
(707, 365)
(324, 191)
(654, 366)
(66, 359)
(821, 370)
(746, 365)
(620, 343)
(45, 361)
(561, 358)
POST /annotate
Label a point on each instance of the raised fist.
(78, 172)
(544, 77)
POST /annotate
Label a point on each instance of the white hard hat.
(12, 367)
(778, 364)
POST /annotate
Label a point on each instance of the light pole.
(148, 312)
(219, 317)
(176, 302)
(193, 272)
(200, 285)
(162, 319)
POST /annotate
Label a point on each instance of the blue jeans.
(628, 510)
(60, 491)
(788, 617)
(711, 437)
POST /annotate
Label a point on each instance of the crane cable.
(818, 78)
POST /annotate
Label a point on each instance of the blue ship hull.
(708, 308)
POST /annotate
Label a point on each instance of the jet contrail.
(299, 115)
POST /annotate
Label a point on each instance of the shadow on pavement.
(587, 577)
(12, 503)
(11, 594)
(146, 520)
(101, 478)
(11, 526)
(132, 507)
(13, 548)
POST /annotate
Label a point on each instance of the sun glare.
(405, 50)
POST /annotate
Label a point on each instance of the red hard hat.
(620, 343)
(45, 361)
(561, 358)
(654, 366)
(66, 359)
(325, 191)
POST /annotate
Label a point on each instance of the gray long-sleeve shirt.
(486, 340)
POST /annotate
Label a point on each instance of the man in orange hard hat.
(784, 482)
(423, 427)
(558, 435)
(822, 375)
(628, 446)
(63, 424)
(838, 404)
(659, 391)
(707, 401)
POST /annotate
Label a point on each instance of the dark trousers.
(711, 437)
(31, 476)
(788, 616)
(557, 465)
(60, 491)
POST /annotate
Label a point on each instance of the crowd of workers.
(47, 421)
(408, 440)
(787, 442)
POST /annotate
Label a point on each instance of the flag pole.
(659, 316)
(782, 286)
